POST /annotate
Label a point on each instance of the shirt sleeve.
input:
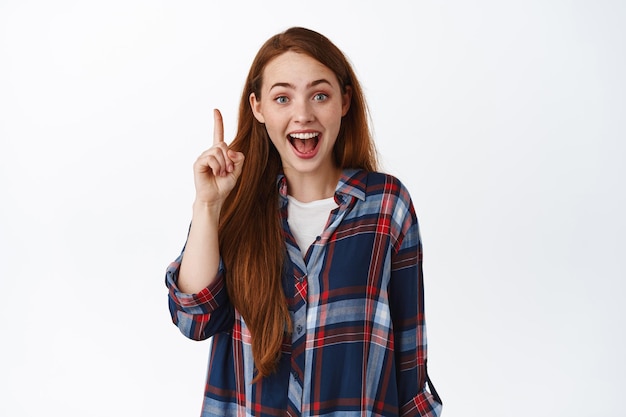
(406, 292)
(201, 315)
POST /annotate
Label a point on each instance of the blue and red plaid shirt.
(356, 300)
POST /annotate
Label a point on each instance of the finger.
(237, 158)
(218, 127)
(218, 159)
(222, 154)
(211, 161)
(216, 164)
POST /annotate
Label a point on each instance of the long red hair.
(251, 237)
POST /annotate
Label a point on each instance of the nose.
(303, 112)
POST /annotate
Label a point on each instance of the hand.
(217, 169)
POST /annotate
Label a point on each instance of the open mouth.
(304, 142)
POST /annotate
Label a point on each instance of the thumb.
(237, 158)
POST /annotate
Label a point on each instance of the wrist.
(204, 208)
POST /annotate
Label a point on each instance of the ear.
(346, 99)
(255, 105)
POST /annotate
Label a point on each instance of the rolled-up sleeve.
(201, 315)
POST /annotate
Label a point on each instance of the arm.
(215, 174)
(201, 315)
(406, 291)
(199, 266)
(196, 279)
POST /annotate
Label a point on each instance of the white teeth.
(304, 136)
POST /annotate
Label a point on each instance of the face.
(301, 105)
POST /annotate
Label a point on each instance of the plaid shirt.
(356, 301)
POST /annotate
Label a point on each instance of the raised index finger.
(218, 127)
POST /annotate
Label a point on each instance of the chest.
(350, 260)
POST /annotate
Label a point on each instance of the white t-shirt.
(307, 220)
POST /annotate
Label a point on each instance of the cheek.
(273, 138)
(276, 135)
(334, 121)
(273, 123)
(334, 114)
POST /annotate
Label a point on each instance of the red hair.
(251, 236)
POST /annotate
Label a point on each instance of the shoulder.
(383, 184)
(389, 198)
(371, 186)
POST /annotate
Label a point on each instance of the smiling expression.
(301, 105)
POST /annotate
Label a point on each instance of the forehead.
(297, 69)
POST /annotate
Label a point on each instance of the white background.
(504, 118)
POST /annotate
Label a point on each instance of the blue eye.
(281, 100)
(320, 97)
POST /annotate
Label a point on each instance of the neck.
(307, 187)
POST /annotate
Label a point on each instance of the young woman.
(302, 262)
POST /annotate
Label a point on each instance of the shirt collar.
(352, 183)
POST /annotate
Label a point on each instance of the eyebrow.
(309, 85)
